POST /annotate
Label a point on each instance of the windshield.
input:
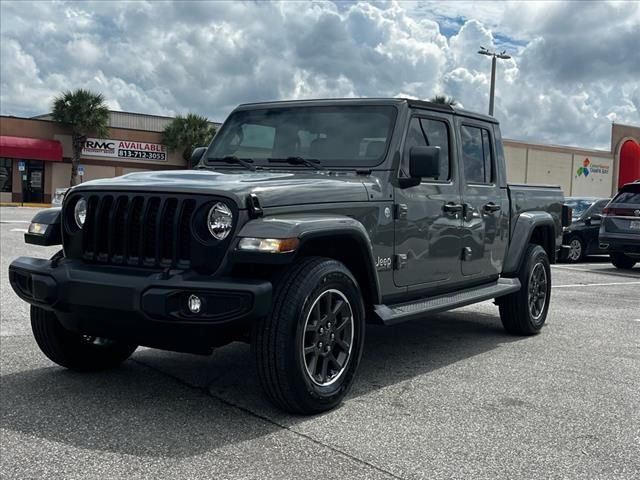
(336, 136)
(578, 206)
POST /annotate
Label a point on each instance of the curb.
(31, 205)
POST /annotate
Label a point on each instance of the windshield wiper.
(309, 162)
(246, 163)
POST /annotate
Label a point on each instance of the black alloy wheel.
(537, 292)
(328, 337)
(308, 349)
(525, 311)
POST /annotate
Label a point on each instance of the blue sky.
(575, 65)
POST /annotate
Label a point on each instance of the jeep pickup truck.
(301, 221)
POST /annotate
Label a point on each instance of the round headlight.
(80, 212)
(220, 221)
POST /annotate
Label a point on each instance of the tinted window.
(627, 197)
(476, 154)
(333, 135)
(426, 132)
(578, 206)
(597, 207)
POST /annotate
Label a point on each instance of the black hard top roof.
(370, 101)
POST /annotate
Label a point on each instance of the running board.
(390, 314)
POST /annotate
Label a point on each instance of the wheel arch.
(338, 237)
(531, 227)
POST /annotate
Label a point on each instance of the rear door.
(485, 222)
(428, 215)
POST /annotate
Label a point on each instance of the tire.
(298, 330)
(576, 251)
(518, 316)
(622, 261)
(73, 350)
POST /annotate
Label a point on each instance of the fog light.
(194, 303)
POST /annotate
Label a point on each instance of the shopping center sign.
(124, 149)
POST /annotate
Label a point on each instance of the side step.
(391, 314)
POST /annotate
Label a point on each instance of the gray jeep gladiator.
(300, 221)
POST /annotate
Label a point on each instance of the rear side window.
(477, 157)
(627, 197)
(425, 132)
(598, 206)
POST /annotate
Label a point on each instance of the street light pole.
(494, 55)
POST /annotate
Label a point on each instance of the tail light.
(618, 212)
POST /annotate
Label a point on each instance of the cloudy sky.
(575, 66)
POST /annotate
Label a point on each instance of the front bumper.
(148, 308)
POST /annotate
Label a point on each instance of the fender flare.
(525, 224)
(53, 234)
(311, 227)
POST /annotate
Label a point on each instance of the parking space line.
(594, 270)
(23, 230)
(594, 284)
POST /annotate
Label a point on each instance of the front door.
(485, 226)
(428, 216)
(33, 186)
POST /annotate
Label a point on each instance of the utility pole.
(501, 55)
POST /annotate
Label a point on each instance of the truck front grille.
(138, 230)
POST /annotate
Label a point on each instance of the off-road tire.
(72, 350)
(515, 309)
(278, 341)
(622, 261)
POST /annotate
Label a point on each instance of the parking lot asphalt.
(449, 396)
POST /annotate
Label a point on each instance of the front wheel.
(576, 250)
(525, 311)
(622, 261)
(75, 351)
(308, 350)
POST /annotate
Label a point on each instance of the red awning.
(30, 148)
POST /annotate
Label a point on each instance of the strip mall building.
(35, 157)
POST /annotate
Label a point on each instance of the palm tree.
(87, 114)
(443, 99)
(187, 133)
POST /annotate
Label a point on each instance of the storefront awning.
(30, 148)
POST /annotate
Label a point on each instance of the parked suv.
(581, 237)
(620, 229)
(301, 220)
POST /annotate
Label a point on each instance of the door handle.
(491, 207)
(452, 208)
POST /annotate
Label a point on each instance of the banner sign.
(124, 149)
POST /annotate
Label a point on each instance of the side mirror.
(196, 156)
(594, 219)
(424, 162)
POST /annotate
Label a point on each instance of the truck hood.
(273, 188)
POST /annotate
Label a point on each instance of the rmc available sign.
(124, 149)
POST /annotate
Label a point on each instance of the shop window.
(6, 171)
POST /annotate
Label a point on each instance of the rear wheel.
(525, 311)
(73, 350)
(308, 350)
(576, 251)
(620, 260)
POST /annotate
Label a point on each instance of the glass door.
(33, 186)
